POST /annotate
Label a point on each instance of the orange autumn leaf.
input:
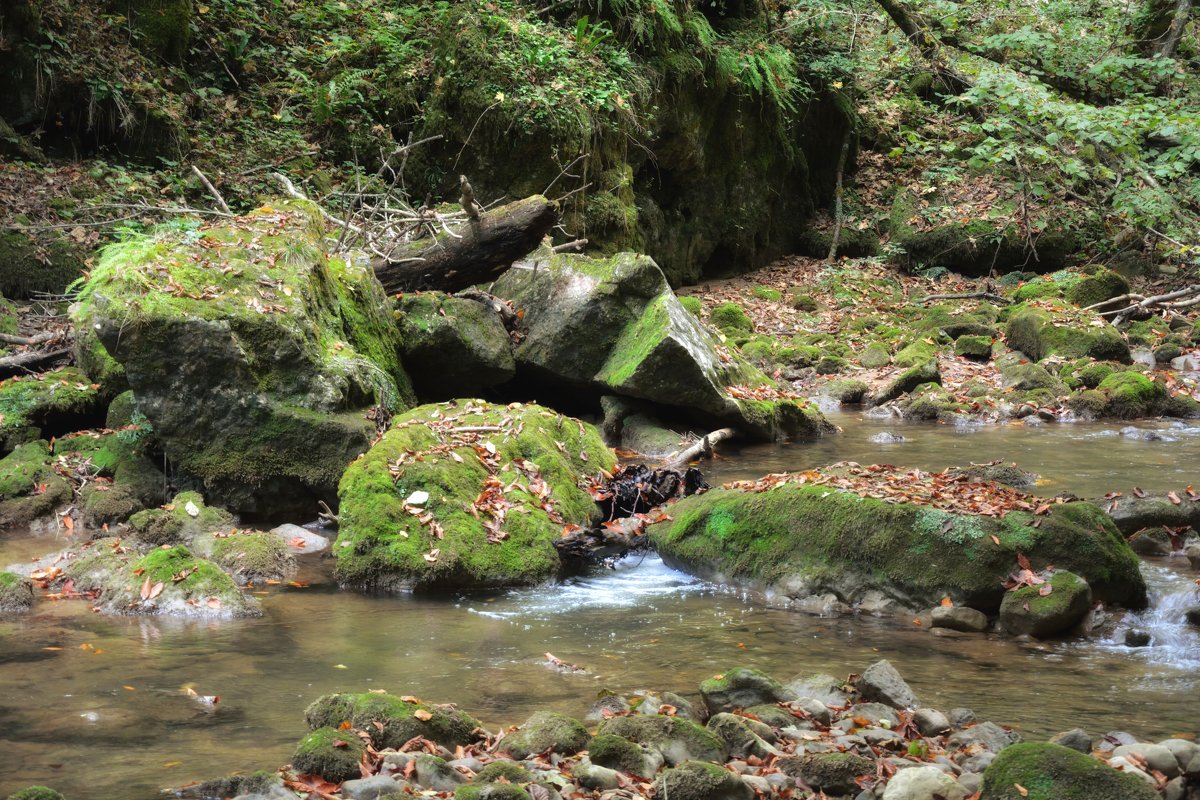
(947, 602)
(422, 715)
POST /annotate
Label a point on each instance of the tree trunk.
(918, 33)
(1162, 26)
(486, 247)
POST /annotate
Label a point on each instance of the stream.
(98, 706)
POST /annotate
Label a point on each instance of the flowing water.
(96, 706)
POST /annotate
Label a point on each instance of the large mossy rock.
(453, 346)
(166, 580)
(252, 353)
(677, 740)
(391, 721)
(29, 485)
(126, 479)
(546, 730)
(1048, 771)
(614, 326)
(38, 263)
(1034, 333)
(42, 406)
(466, 494)
(796, 540)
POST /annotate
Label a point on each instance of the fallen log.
(703, 448)
(474, 253)
(23, 362)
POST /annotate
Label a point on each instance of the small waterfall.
(1173, 642)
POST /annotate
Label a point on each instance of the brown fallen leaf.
(1174, 498)
(1021, 790)
(422, 715)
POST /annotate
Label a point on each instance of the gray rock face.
(740, 736)
(931, 722)
(370, 788)
(923, 783)
(881, 682)
(1156, 757)
(453, 346)
(908, 380)
(830, 772)
(1076, 739)
(987, 735)
(615, 325)
(960, 618)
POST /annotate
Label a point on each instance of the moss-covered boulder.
(829, 772)
(502, 769)
(253, 354)
(796, 540)
(875, 355)
(1131, 395)
(742, 687)
(1048, 771)
(36, 793)
(399, 718)
(976, 348)
(731, 319)
(253, 556)
(166, 580)
(453, 346)
(1030, 610)
(33, 263)
(490, 791)
(1035, 333)
(125, 481)
(42, 406)
(614, 326)
(906, 381)
(617, 752)
(16, 592)
(466, 494)
(697, 780)
(677, 740)
(546, 730)
(184, 520)
(1104, 284)
(29, 485)
(330, 753)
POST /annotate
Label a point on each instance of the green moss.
(830, 365)
(1035, 334)
(397, 719)
(1027, 610)
(975, 347)
(56, 401)
(696, 780)
(546, 730)
(767, 293)
(36, 793)
(382, 545)
(1100, 285)
(875, 355)
(824, 540)
(253, 555)
(730, 318)
(29, 486)
(490, 791)
(692, 304)
(1132, 395)
(915, 354)
(330, 753)
(616, 752)
(16, 592)
(1052, 772)
(39, 263)
(508, 770)
(802, 301)
(845, 390)
(677, 739)
(200, 578)
(1093, 375)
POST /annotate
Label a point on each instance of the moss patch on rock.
(678, 740)
(546, 730)
(46, 405)
(1052, 772)
(409, 522)
(800, 540)
(252, 556)
(330, 753)
(16, 592)
(252, 353)
(399, 719)
(29, 485)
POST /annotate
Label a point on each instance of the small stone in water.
(1136, 637)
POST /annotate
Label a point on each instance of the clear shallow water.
(67, 718)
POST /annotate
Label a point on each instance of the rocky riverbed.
(741, 734)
